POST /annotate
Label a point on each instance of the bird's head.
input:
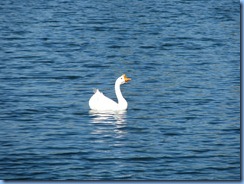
(123, 79)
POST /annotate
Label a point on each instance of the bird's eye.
(121, 78)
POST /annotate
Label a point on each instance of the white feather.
(100, 102)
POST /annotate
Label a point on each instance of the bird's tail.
(95, 90)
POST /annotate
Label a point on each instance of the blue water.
(183, 118)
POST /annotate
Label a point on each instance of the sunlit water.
(183, 118)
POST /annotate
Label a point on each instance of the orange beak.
(126, 78)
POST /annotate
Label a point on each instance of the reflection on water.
(117, 117)
(103, 118)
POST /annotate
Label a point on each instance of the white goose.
(100, 102)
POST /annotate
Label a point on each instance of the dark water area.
(183, 118)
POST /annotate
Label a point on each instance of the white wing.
(100, 102)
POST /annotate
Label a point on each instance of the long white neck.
(121, 101)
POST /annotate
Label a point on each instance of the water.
(183, 119)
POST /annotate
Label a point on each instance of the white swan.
(102, 103)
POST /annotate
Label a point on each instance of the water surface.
(183, 119)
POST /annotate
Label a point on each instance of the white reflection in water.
(108, 117)
(117, 119)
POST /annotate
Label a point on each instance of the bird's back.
(100, 102)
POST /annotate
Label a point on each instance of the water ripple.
(183, 118)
